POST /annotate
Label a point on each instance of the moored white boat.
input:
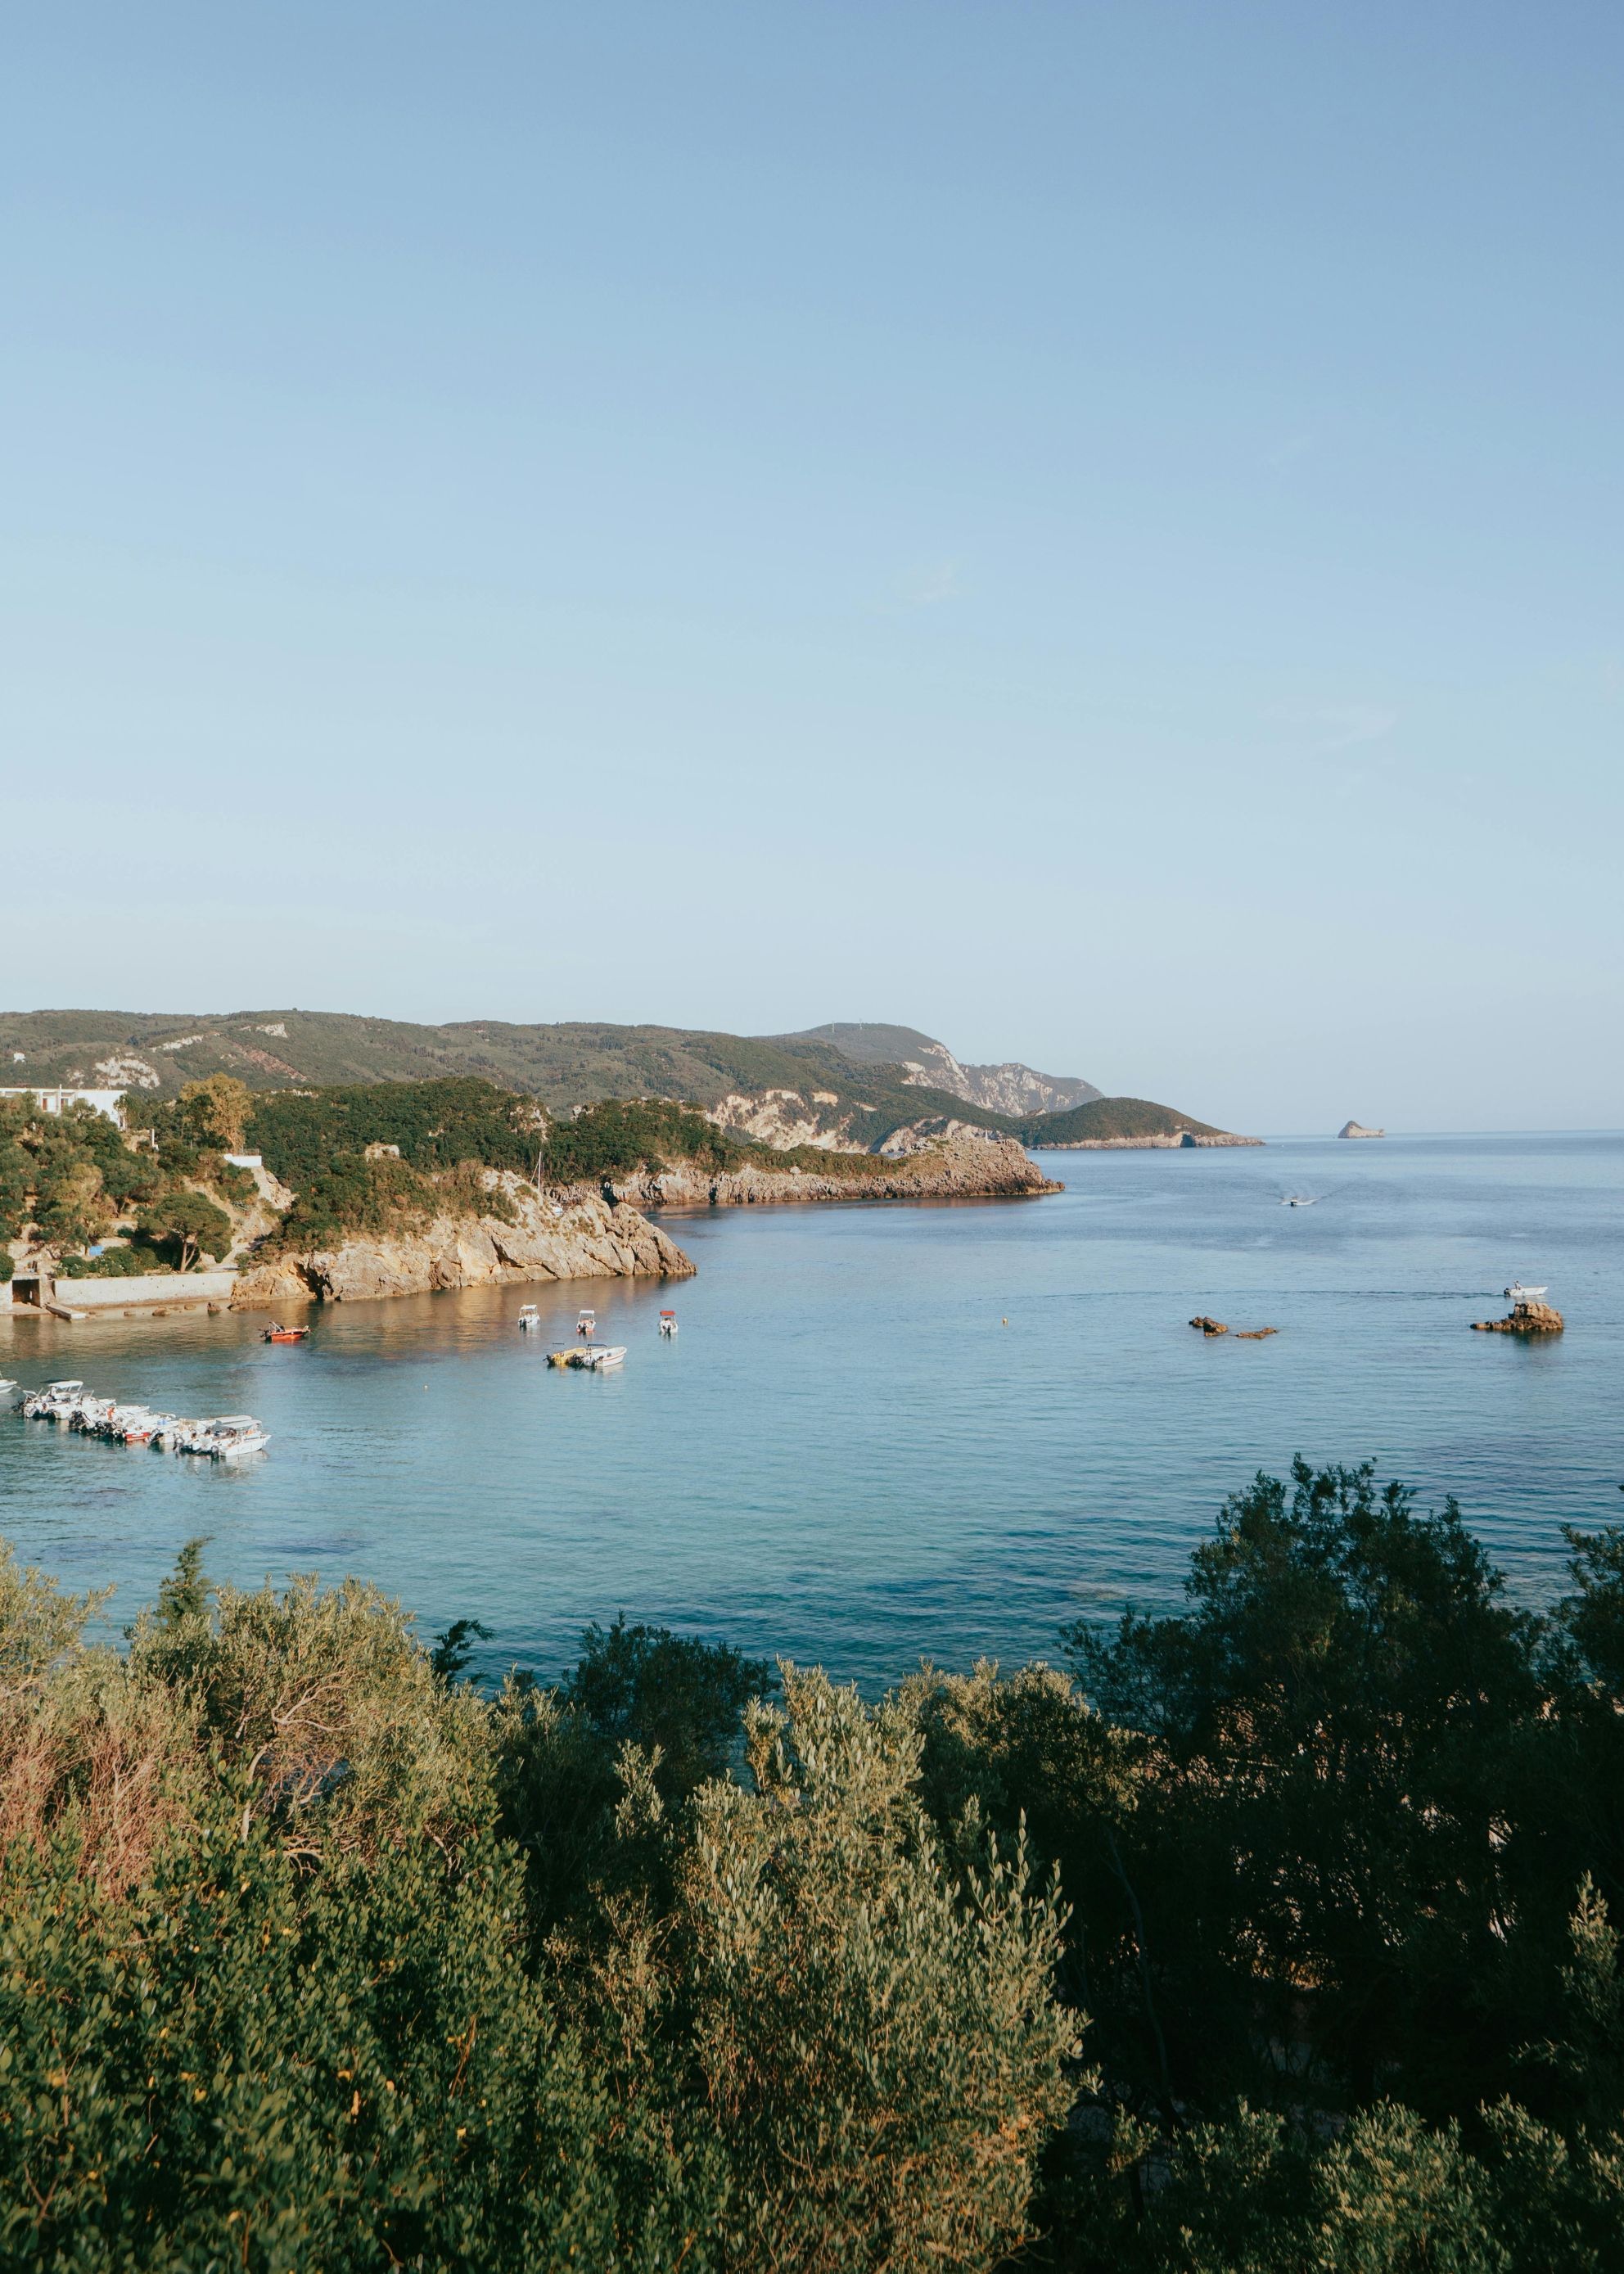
(529, 1316)
(131, 1425)
(54, 1403)
(1518, 1293)
(228, 1437)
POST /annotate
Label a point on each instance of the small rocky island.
(1525, 1317)
(1358, 1129)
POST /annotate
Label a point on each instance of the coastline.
(589, 1237)
(962, 1168)
(1185, 1141)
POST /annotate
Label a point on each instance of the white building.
(56, 1101)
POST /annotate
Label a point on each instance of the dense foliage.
(310, 1954)
(433, 1125)
(619, 1137)
(384, 1157)
(76, 1176)
(1103, 1119)
(279, 1991)
(564, 1066)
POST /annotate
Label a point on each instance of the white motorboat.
(530, 1317)
(586, 1325)
(91, 1414)
(229, 1437)
(1518, 1293)
(131, 1425)
(668, 1322)
(151, 1430)
(589, 1358)
(54, 1403)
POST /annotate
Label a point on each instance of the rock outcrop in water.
(589, 1237)
(1358, 1129)
(959, 1166)
(1523, 1319)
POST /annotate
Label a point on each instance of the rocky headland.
(1183, 1139)
(577, 1236)
(957, 1166)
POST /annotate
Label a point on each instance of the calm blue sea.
(889, 1431)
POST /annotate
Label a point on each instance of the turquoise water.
(846, 1454)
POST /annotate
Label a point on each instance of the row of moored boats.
(223, 1437)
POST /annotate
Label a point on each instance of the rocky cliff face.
(588, 1237)
(1012, 1089)
(959, 1167)
(786, 1117)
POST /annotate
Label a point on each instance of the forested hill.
(829, 1086)
(1112, 1121)
(564, 1064)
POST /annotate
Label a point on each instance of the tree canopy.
(1279, 1934)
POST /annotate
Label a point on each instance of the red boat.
(285, 1333)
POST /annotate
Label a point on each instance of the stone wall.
(154, 1290)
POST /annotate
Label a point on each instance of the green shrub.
(620, 1136)
(303, 1133)
(187, 1226)
(132, 1260)
(311, 1955)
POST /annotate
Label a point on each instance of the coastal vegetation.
(1276, 1934)
(1106, 1120)
(840, 1075)
(618, 1138)
(384, 1157)
(75, 1180)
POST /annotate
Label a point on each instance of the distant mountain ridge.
(1012, 1089)
(849, 1086)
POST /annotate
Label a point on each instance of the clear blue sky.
(1093, 530)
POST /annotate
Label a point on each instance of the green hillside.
(565, 1064)
(1105, 1118)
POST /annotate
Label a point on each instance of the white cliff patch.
(127, 1071)
(1012, 1088)
(782, 1117)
